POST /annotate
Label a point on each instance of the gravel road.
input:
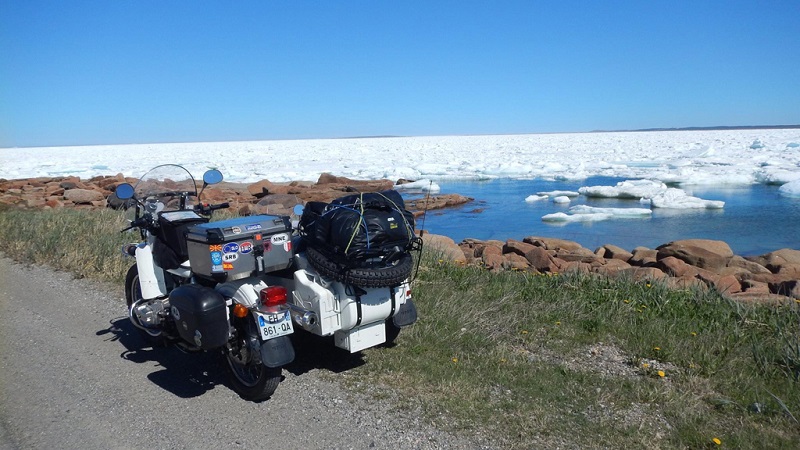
(75, 375)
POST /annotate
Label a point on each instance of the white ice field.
(656, 163)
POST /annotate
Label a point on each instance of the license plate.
(274, 325)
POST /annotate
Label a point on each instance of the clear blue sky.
(124, 71)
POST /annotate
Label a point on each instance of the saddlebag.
(357, 228)
(200, 315)
(237, 248)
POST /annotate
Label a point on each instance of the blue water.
(756, 219)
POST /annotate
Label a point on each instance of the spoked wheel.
(251, 380)
(133, 292)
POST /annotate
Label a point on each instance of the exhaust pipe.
(303, 316)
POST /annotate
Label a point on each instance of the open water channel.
(756, 219)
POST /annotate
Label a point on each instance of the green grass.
(539, 361)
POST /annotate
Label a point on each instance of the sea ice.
(616, 212)
(535, 198)
(625, 189)
(791, 189)
(419, 186)
(563, 217)
(689, 157)
(675, 198)
(561, 199)
(559, 193)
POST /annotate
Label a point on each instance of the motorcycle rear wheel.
(252, 381)
(133, 292)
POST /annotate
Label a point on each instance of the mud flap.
(277, 352)
(406, 315)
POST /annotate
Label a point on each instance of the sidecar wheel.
(133, 292)
(252, 381)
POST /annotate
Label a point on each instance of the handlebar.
(206, 209)
(147, 219)
(140, 222)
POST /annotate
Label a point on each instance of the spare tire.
(368, 277)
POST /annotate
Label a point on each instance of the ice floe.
(559, 194)
(674, 198)
(536, 198)
(585, 213)
(567, 218)
(561, 199)
(791, 189)
(419, 186)
(626, 189)
(617, 212)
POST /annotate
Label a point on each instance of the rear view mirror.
(124, 191)
(212, 176)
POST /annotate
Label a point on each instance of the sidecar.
(357, 317)
(351, 269)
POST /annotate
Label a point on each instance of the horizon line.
(638, 130)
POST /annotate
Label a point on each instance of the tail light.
(273, 296)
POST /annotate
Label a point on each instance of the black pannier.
(170, 249)
(358, 228)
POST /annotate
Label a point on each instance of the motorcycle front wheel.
(133, 292)
(252, 381)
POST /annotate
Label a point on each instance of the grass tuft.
(539, 361)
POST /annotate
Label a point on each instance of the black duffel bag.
(358, 228)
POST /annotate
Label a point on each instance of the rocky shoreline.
(773, 277)
(262, 197)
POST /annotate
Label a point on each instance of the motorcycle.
(240, 285)
(197, 284)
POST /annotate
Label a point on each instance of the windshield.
(165, 180)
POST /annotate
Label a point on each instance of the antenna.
(425, 211)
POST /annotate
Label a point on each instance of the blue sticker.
(261, 322)
(231, 247)
(256, 226)
(216, 258)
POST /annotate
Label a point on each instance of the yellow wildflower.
(626, 301)
(694, 333)
(658, 349)
(645, 365)
(558, 323)
(524, 331)
(455, 360)
(716, 441)
(661, 373)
